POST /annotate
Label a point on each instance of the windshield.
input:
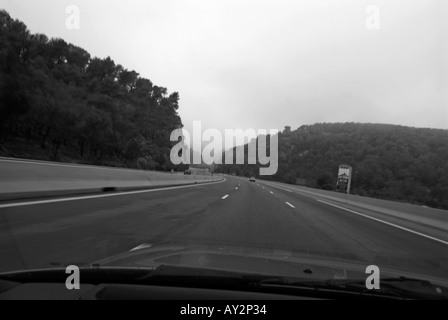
(304, 140)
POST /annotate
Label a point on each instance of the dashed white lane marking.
(142, 246)
(225, 197)
(236, 188)
(271, 192)
(281, 188)
(385, 222)
(289, 204)
(30, 203)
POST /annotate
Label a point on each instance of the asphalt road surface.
(234, 212)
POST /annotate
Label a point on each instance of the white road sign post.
(344, 177)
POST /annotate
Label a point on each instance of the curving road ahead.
(233, 212)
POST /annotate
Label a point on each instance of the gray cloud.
(266, 64)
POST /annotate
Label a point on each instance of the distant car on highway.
(252, 179)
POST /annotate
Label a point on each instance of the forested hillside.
(389, 161)
(59, 103)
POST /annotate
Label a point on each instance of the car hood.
(275, 262)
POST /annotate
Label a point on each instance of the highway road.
(233, 212)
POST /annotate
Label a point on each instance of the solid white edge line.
(385, 222)
(225, 197)
(289, 204)
(30, 203)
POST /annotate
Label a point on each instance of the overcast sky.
(267, 64)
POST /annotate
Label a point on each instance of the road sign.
(344, 178)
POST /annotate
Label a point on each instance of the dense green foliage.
(389, 161)
(57, 99)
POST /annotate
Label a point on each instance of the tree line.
(63, 104)
(389, 161)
